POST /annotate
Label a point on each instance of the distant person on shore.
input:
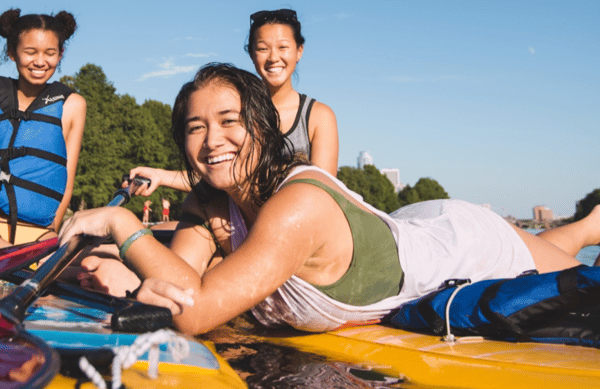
(276, 44)
(41, 128)
(165, 212)
(146, 212)
(289, 241)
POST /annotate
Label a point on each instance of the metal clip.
(5, 177)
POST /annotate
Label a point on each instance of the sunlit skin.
(36, 57)
(275, 56)
(215, 137)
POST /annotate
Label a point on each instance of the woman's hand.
(154, 175)
(165, 294)
(94, 222)
(159, 177)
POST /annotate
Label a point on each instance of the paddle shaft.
(128, 315)
(14, 306)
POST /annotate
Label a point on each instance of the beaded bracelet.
(135, 236)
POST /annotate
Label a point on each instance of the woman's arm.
(73, 122)
(159, 177)
(324, 141)
(296, 232)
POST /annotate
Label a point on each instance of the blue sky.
(499, 101)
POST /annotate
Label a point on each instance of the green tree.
(585, 205)
(103, 141)
(119, 135)
(424, 189)
(375, 188)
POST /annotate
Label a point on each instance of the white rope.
(449, 336)
(91, 372)
(126, 356)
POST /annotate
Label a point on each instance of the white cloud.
(199, 55)
(531, 50)
(168, 69)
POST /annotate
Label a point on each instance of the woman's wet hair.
(260, 119)
(281, 16)
(12, 25)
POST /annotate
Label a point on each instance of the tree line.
(121, 134)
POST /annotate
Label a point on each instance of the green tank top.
(374, 273)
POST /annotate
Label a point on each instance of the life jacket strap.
(27, 116)
(18, 152)
(9, 181)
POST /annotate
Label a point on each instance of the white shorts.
(444, 239)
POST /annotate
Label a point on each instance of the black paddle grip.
(141, 318)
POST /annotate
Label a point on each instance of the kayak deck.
(467, 363)
(65, 325)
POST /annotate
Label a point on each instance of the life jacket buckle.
(454, 282)
(20, 115)
(5, 177)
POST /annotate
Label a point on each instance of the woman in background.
(41, 128)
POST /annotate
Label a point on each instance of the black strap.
(12, 212)
(501, 322)
(12, 181)
(27, 116)
(567, 280)
(18, 152)
(33, 187)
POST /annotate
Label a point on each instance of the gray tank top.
(298, 134)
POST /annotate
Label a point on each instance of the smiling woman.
(41, 127)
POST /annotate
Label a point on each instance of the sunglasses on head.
(280, 14)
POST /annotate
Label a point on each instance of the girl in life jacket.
(41, 127)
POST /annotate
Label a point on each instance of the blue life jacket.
(33, 155)
(559, 307)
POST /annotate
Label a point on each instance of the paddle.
(128, 315)
(38, 363)
(13, 258)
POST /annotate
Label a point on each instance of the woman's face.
(216, 142)
(276, 54)
(36, 56)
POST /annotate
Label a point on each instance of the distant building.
(542, 214)
(364, 158)
(394, 176)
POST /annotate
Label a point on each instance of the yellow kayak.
(171, 375)
(67, 326)
(425, 360)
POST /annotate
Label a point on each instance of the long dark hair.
(12, 24)
(260, 119)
